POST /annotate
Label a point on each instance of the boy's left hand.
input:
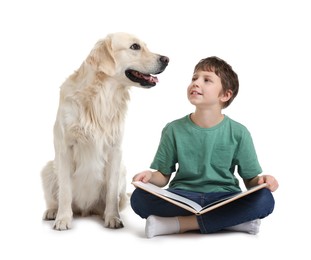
(270, 180)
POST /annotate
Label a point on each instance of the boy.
(208, 147)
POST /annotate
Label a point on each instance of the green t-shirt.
(206, 158)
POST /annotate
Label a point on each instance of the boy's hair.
(229, 79)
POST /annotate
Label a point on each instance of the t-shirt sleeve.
(165, 158)
(246, 157)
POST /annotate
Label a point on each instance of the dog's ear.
(101, 57)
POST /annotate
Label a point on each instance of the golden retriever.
(87, 175)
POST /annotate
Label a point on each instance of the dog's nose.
(164, 60)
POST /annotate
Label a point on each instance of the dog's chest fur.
(94, 131)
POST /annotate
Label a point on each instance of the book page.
(155, 189)
(227, 200)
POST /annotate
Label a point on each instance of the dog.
(87, 175)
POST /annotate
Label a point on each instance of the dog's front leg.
(64, 215)
(111, 215)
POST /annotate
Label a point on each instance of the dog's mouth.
(145, 80)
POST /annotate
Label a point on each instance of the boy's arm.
(159, 179)
(249, 183)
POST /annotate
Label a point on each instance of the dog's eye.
(135, 46)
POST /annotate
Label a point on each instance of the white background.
(266, 42)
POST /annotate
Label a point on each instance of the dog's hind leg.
(50, 188)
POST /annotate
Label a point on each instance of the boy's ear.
(226, 96)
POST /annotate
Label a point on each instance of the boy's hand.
(144, 176)
(270, 180)
(154, 177)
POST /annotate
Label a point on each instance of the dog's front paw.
(49, 214)
(113, 222)
(62, 223)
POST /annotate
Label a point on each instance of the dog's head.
(126, 58)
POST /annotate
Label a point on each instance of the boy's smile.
(195, 92)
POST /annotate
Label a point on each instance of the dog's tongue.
(151, 78)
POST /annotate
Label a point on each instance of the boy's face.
(205, 90)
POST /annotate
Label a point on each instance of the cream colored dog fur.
(87, 175)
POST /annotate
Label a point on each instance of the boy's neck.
(206, 118)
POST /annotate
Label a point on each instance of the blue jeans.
(256, 205)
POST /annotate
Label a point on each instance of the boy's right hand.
(144, 176)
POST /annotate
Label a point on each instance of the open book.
(189, 204)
